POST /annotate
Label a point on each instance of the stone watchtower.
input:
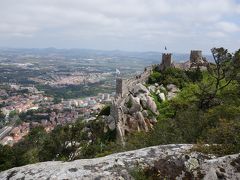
(196, 57)
(166, 61)
(119, 87)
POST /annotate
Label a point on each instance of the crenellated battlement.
(166, 61)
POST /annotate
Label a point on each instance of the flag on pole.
(118, 72)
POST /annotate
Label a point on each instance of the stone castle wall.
(119, 86)
(123, 88)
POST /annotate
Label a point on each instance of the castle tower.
(196, 57)
(166, 61)
(119, 87)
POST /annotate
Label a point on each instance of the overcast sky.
(133, 25)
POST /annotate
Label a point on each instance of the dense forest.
(205, 111)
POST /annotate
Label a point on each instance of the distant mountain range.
(152, 56)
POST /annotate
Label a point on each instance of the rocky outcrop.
(138, 89)
(133, 103)
(130, 111)
(170, 161)
(142, 123)
(136, 109)
(152, 88)
(110, 121)
(172, 91)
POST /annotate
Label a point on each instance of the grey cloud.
(114, 24)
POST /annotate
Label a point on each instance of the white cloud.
(216, 34)
(228, 27)
(114, 24)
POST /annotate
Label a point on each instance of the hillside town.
(24, 108)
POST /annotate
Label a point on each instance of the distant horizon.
(104, 50)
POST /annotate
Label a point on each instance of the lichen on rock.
(166, 161)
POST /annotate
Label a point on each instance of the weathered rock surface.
(111, 122)
(145, 113)
(172, 91)
(152, 88)
(141, 121)
(134, 103)
(152, 105)
(173, 88)
(170, 160)
(139, 88)
(162, 88)
(162, 96)
(171, 95)
(131, 111)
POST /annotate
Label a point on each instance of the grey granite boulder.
(172, 88)
(171, 95)
(152, 88)
(145, 113)
(152, 105)
(139, 88)
(134, 103)
(162, 96)
(115, 166)
(111, 123)
(175, 161)
(142, 124)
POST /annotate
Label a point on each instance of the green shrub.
(7, 158)
(154, 77)
(105, 111)
(225, 138)
(138, 173)
(129, 104)
(169, 76)
(195, 75)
